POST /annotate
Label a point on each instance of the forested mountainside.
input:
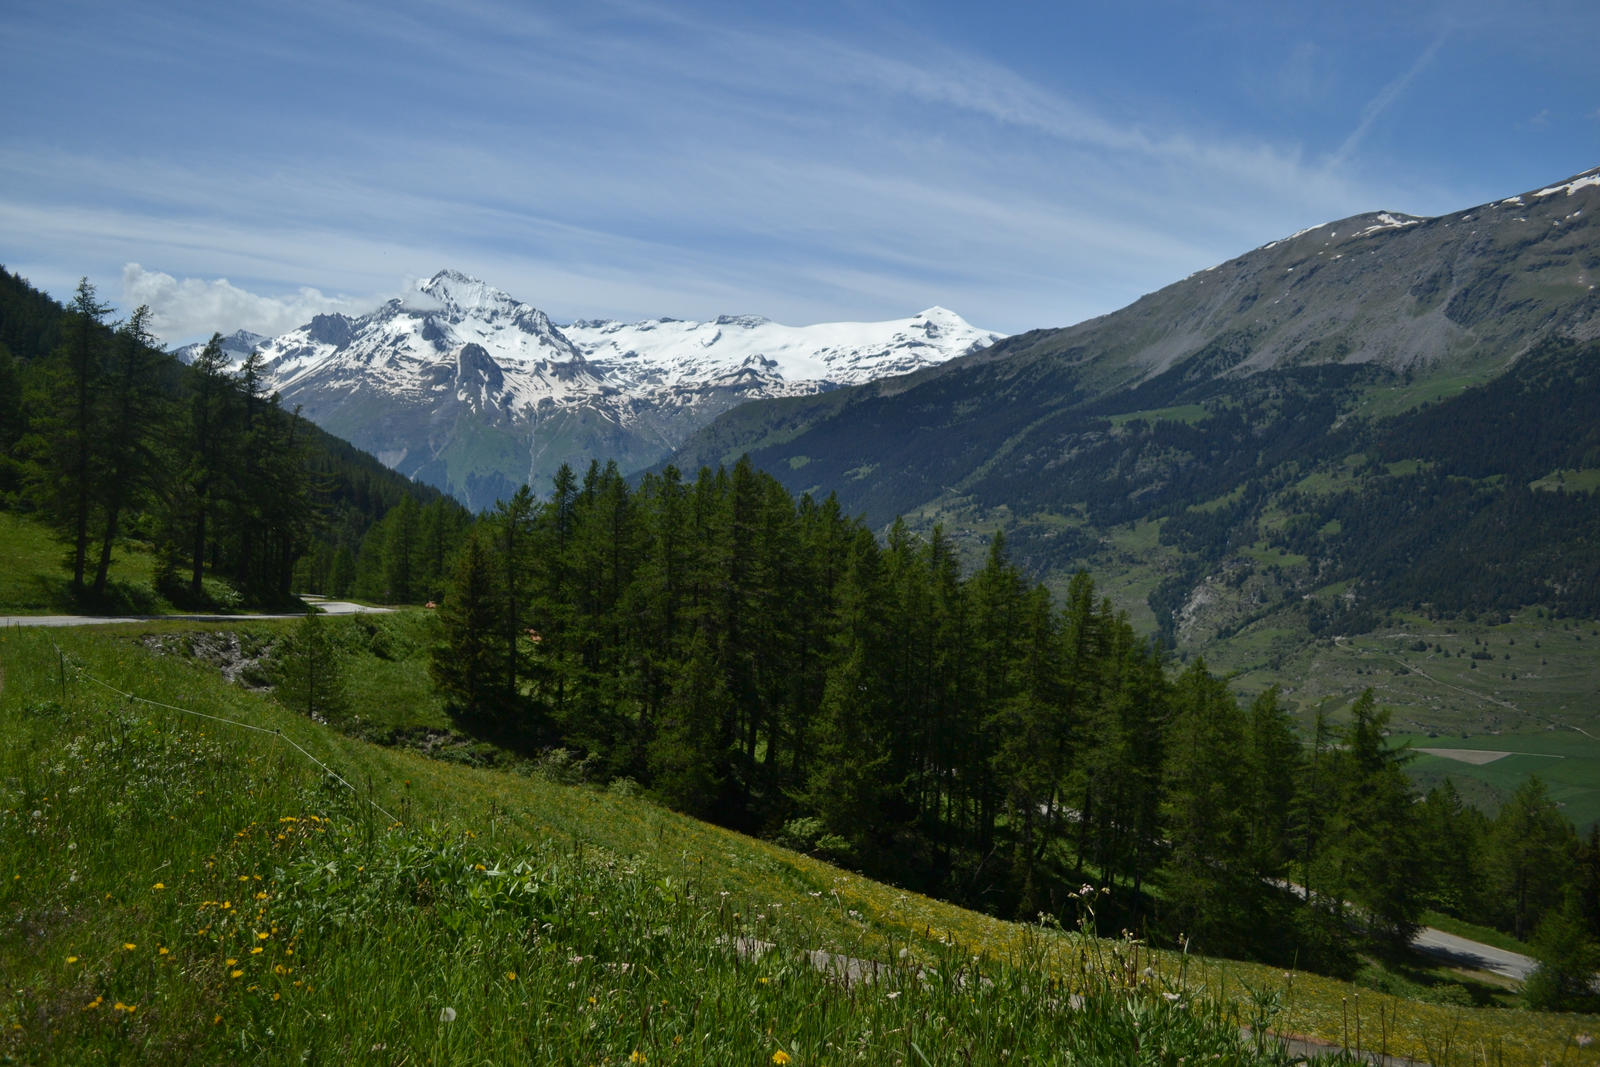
(1377, 414)
(112, 441)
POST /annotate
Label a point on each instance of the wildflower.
(159, 885)
(236, 974)
(72, 959)
(511, 976)
(256, 951)
(233, 963)
(162, 951)
(261, 935)
(637, 1057)
(780, 1057)
(93, 1004)
(129, 946)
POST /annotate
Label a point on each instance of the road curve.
(1476, 955)
(329, 607)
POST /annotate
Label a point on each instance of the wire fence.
(133, 698)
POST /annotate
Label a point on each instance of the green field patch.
(1583, 480)
(1565, 760)
(1189, 414)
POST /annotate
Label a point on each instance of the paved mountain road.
(1463, 953)
(330, 607)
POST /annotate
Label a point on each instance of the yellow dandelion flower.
(72, 959)
(275, 996)
(129, 946)
(159, 885)
(217, 1021)
(162, 951)
(637, 1057)
(763, 981)
(261, 895)
(256, 951)
(119, 1006)
(236, 974)
(232, 962)
(780, 1057)
(511, 976)
(262, 935)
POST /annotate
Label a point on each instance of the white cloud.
(193, 307)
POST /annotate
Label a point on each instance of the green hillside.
(1376, 428)
(205, 884)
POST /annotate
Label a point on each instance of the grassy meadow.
(177, 886)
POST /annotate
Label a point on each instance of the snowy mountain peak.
(462, 292)
(431, 378)
(237, 345)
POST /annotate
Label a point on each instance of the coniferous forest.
(768, 663)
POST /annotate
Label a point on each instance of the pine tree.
(467, 663)
(309, 672)
(401, 551)
(1531, 856)
(1568, 959)
(127, 459)
(62, 447)
(1208, 876)
(1372, 831)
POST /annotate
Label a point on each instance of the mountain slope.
(1305, 436)
(464, 387)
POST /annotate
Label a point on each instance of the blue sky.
(1024, 164)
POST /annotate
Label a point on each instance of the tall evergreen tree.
(62, 446)
(1208, 875)
(126, 445)
(1531, 856)
(468, 661)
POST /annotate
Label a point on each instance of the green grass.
(1586, 480)
(34, 580)
(557, 924)
(1487, 935)
(35, 577)
(1188, 414)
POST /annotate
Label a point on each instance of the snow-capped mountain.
(237, 346)
(463, 386)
